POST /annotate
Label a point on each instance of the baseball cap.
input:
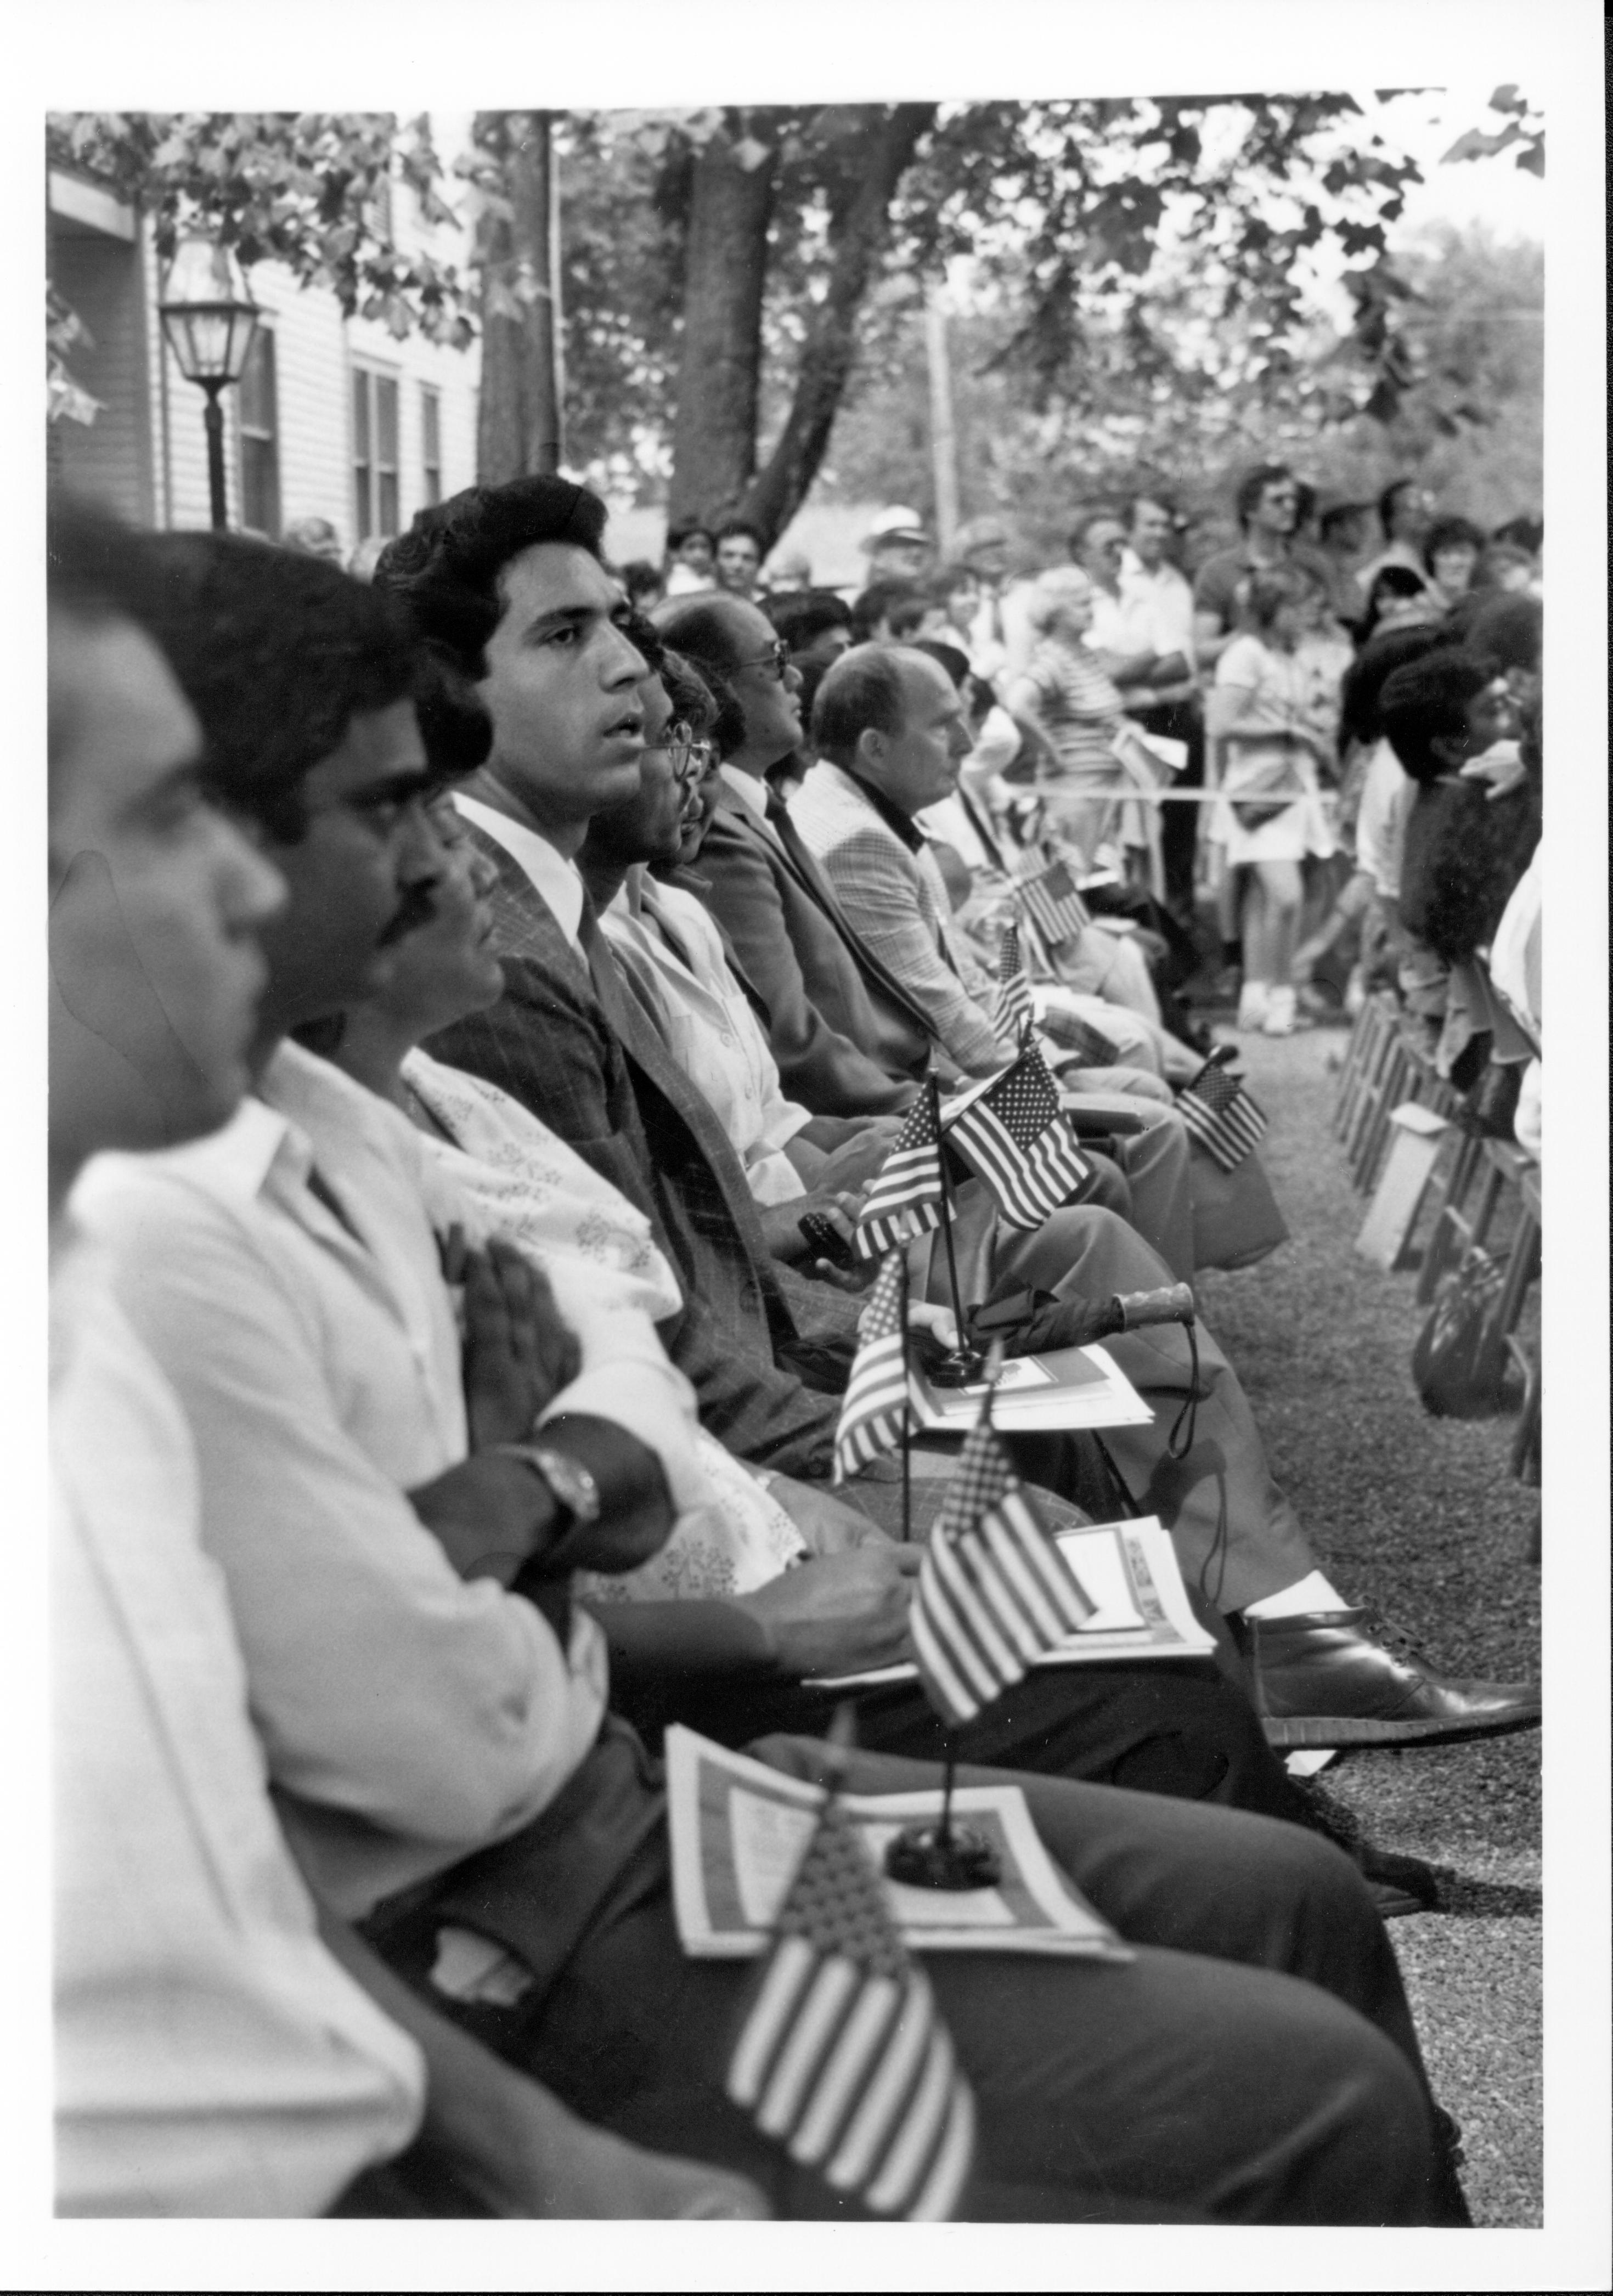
(896, 523)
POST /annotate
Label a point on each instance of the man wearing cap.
(896, 546)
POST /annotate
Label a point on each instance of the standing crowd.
(479, 1007)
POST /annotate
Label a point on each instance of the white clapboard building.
(334, 418)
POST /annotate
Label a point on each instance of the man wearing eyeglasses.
(1268, 512)
(848, 1038)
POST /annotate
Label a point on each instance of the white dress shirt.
(1156, 609)
(753, 791)
(707, 1025)
(409, 1716)
(558, 880)
(211, 2058)
(1386, 803)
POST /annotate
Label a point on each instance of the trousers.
(1165, 1727)
(1253, 2063)
(1236, 1534)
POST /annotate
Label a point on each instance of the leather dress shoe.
(1321, 1679)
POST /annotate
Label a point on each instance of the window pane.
(260, 485)
(361, 416)
(386, 423)
(258, 385)
(386, 490)
(430, 432)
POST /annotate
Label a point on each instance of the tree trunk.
(517, 430)
(713, 433)
(858, 234)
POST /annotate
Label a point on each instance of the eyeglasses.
(690, 758)
(777, 659)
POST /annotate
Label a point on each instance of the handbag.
(1456, 1372)
(1270, 790)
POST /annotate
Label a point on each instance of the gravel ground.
(1420, 1516)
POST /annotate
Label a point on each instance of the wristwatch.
(572, 1487)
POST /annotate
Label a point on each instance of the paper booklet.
(1066, 1387)
(739, 1830)
(1130, 1570)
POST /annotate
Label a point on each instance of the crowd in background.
(1256, 671)
(499, 1002)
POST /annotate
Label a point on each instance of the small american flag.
(994, 1591)
(905, 1197)
(1091, 1048)
(1014, 1014)
(873, 1416)
(842, 2057)
(1048, 893)
(1016, 1138)
(1219, 1113)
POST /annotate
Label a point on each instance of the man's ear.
(1451, 749)
(871, 746)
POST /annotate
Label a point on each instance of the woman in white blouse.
(1268, 735)
(611, 1283)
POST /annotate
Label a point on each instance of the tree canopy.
(735, 282)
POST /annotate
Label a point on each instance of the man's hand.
(839, 1614)
(1501, 767)
(855, 1161)
(828, 1525)
(518, 1354)
(940, 1322)
(782, 1229)
(519, 2148)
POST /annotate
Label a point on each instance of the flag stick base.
(943, 1857)
(957, 1367)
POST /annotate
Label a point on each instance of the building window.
(431, 441)
(259, 438)
(374, 452)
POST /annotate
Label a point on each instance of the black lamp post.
(209, 320)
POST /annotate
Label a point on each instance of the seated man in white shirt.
(212, 2055)
(427, 1727)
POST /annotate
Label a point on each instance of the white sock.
(1311, 1593)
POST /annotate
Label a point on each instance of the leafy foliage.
(1091, 216)
(309, 189)
(1521, 132)
(1179, 413)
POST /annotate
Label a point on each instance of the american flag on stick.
(994, 1591)
(873, 1416)
(842, 2057)
(1017, 1139)
(1047, 892)
(1091, 1048)
(905, 1197)
(1014, 1014)
(1219, 1113)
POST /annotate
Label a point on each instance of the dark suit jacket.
(577, 1049)
(847, 1038)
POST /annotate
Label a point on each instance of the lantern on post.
(210, 319)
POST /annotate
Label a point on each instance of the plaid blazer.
(848, 1039)
(570, 1040)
